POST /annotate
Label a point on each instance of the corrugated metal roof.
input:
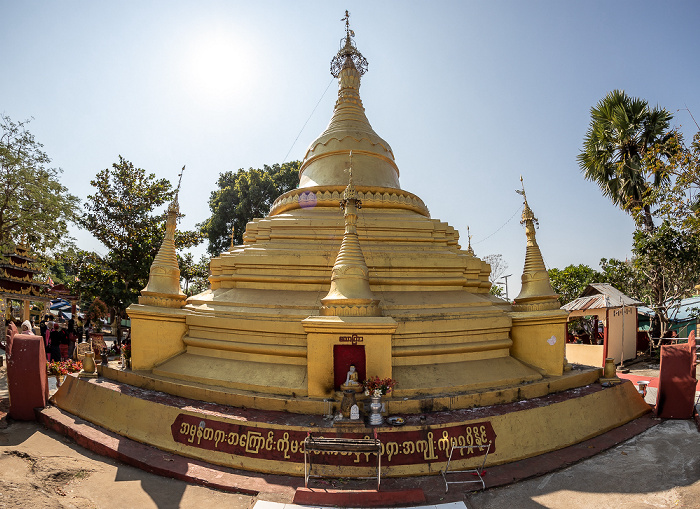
(600, 296)
(684, 311)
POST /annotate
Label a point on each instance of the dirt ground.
(40, 469)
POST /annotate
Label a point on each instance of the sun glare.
(218, 65)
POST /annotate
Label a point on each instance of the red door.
(343, 357)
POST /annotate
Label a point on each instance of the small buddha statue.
(351, 380)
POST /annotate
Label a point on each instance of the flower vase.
(375, 416)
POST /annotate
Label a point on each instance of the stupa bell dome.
(325, 161)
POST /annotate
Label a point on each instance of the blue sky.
(470, 95)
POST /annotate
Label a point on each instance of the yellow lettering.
(392, 448)
(255, 440)
(283, 445)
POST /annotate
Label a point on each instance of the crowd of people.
(59, 338)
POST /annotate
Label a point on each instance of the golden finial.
(174, 205)
(350, 193)
(522, 192)
(348, 56)
(528, 215)
(469, 243)
(348, 33)
(233, 232)
(180, 180)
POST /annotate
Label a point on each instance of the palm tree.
(622, 129)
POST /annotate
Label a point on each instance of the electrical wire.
(520, 207)
(307, 120)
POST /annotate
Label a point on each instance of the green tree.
(570, 281)
(242, 196)
(194, 275)
(623, 275)
(664, 269)
(120, 214)
(34, 205)
(621, 131)
(678, 198)
(668, 261)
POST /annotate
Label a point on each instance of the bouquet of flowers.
(62, 368)
(56, 368)
(72, 366)
(376, 386)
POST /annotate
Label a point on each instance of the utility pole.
(506, 280)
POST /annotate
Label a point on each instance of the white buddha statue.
(351, 380)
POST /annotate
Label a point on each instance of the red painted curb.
(345, 498)
(139, 455)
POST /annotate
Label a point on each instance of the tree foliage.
(498, 268)
(121, 214)
(678, 198)
(242, 196)
(97, 310)
(34, 205)
(664, 268)
(570, 281)
(194, 275)
(623, 275)
(668, 263)
(621, 131)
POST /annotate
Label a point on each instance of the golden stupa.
(432, 325)
(378, 284)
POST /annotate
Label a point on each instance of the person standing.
(55, 338)
(27, 328)
(72, 337)
(42, 327)
(79, 329)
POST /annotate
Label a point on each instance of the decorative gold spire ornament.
(536, 293)
(469, 242)
(163, 288)
(350, 294)
(349, 129)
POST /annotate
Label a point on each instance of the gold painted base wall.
(156, 334)
(517, 434)
(539, 339)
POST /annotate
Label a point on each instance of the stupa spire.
(163, 288)
(349, 129)
(536, 292)
(350, 294)
(469, 242)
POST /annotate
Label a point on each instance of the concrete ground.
(41, 469)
